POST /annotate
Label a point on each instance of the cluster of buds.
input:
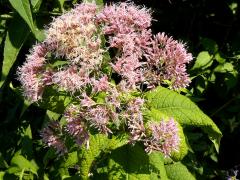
(137, 58)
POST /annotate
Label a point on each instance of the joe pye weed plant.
(115, 87)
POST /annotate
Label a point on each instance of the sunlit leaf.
(203, 61)
(36, 4)
(22, 163)
(177, 171)
(157, 116)
(132, 162)
(184, 111)
(23, 8)
(16, 36)
(98, 144)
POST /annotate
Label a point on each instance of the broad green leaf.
(233, 6)
(13, 170)
(50, 116)
(2, 173)
(22, 163)
(59, 64)
(26, 104)
(178, 171)
(98, 2)
(54, 100)
(72, 159)
(157, 116)
(132, 162)
(26, 143)
(61, 3)
(2, 29)
(223, 68)
(16, 36)
(36, 4)
(98, 144)
(156, 160)
(50, 155)
(203, 61)
(3, 163)
(183, 110)
(45, 177)
(209, 45)
(219, 58)
(24, 10)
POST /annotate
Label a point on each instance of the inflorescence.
(111, 52)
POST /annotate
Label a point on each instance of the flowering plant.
(115, 87)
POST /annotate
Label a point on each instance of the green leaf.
(209, 45)
(50, 155)
(183, 110)
(50, 116)
(223, 68)
(54, 100)
(72, 159)
(157, 116)
(2, 173)
(98, 144)
(98, 2)
(219, 58)
(2, 29)
(36, 4)
(61, 3)
(156, 160)
(26, 104)
(3, 163)
(203, 61)
(178, 171)
(132, 162)
(13, 44)
(26, 143)
(59, 64)
(22, 163)
(24, 10)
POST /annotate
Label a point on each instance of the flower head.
(76, 126)
(30, 73)
(164, 138)
(102, 86)
(51, 137)
(135, 120)
(170, 57)
(98, 117)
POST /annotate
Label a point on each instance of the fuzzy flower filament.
(99, 84)
(164, 137)
(52, 138)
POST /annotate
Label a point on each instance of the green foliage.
(131, 162)
(24, 10)
(13, 44)
(19, 164)
(177, 171)
(184, 111)
(54, 100)
(98, 144)
(203, 61)
(157, 116)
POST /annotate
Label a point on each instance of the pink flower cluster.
(170, 58)
(164, 138)
(51, 136)
(105, 102)
(31, 72)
